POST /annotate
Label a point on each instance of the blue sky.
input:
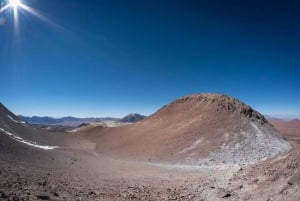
(111, 58)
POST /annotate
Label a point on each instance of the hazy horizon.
(268, 115)
(112, 58)
(279, 116)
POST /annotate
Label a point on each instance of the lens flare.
(19, 5)
(15, 7)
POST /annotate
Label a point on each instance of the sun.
(20, 5)
(15, 3)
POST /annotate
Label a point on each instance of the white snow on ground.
(74, 130)
(32, 144)
(18, 122)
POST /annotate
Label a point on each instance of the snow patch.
(18, 122)
(29, 143)
(74, 130)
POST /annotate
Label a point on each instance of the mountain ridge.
(74, 121)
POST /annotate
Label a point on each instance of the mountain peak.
(219, 103)
(132, 118)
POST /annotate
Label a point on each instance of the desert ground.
(88, 165)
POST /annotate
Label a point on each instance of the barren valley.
(200, 147)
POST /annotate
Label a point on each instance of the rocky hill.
(201, 129)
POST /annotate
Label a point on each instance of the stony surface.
(199, 130)
(79, 171)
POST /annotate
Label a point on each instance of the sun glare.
(15, 3)
(17, 6)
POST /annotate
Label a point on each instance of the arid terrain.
(200, 147)
(289, 128)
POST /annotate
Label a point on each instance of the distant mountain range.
(73, 121)
(64, 121)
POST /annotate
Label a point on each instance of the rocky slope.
(17, 134)
(83, 170)
(201, 129)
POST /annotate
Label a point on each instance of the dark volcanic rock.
(43, 197)
(223, 193)
(132, 118)
(3, 195)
